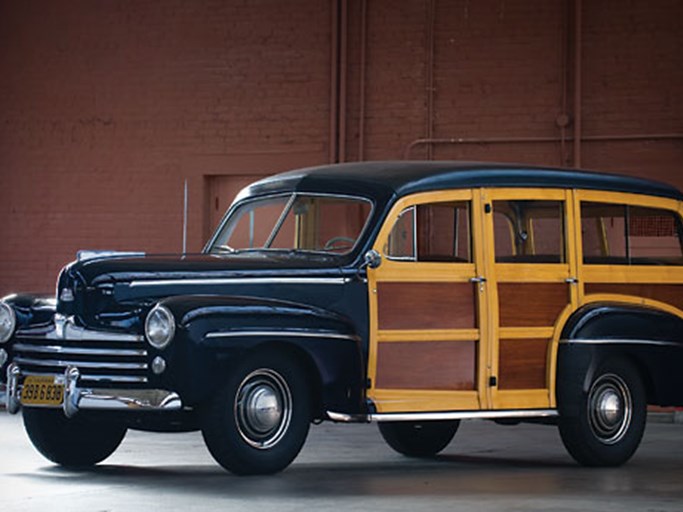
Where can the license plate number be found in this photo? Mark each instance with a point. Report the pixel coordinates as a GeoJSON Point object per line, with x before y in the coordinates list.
{"type": "Point", "coordinates": [42, 390]}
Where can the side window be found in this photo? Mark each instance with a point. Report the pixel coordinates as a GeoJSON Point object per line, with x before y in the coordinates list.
{"type": "Point", "coordinates": [401, 242]}
{"type": "Point", "coordinates": [630, 235]}
{"type": "Point", "coordinates": [437, 232]}
{"type": "Point", "coordinates": [529, 231]}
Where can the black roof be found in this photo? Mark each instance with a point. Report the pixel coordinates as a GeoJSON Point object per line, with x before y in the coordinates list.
{"type": "Point", "coordinates": [400, 178]}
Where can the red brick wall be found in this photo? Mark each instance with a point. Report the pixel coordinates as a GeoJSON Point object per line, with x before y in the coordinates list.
{"type": "Point", "coordinates": [106, 108]}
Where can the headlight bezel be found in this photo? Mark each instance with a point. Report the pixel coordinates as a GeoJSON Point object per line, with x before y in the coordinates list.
{"type": "Point", "coordinates": [156, 337]}
{"type": "Point", "coordinates": [6, 309]}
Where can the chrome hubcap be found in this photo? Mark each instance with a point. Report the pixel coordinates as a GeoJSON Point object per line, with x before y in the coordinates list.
{"type": "Point", "coordinates": [263, 408]}
{"type": "Point", "coordinates": [610, 408]}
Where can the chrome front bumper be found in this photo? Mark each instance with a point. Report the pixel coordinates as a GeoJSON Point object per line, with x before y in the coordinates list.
{"type": "Point", "coordinates": [77, 398]}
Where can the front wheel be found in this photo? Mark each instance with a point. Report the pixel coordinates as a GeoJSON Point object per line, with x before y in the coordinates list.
{"type": "Point", "coordinates": [611, 417]}
{"type": "Point", "coordinates": [71, 442]}
{"type": "Point", "coordinates": [419, 439]}
{"type": "Point", "coordinates": [259, 420]}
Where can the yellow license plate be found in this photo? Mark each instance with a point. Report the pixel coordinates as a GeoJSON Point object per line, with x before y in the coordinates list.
{"type": "Point", "coordinates": [42, 390]}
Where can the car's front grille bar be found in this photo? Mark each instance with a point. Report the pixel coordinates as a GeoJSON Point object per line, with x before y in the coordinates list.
{"type": "Point", "coordinates": [58, 349]}
{"type": "Point", "coordinates": [79, 364]}
{"type": "Point", "coordinates": [99, 360]}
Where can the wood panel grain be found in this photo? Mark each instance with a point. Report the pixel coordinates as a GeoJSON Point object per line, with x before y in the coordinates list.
{"type": "Point", "coordinates": [522, 364]}
{"type": "Point", "coordinates": [437, 365]}
{"type": "Point", "coordinates": [531, 304]}
{"type": "Point", "coordinates": [669, 293]}
{"type": "Point", "coordinates": [426, 306]}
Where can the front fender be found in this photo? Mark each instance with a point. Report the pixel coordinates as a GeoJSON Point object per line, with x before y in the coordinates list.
{"type": "Point", "coordinates": [216, 332]}
{"type": "Point", "coordinates": [32, 310]}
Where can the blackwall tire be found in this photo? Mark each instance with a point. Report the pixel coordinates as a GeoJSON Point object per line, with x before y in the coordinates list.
{"type": "Point", "coordinates": [259, 420]}
{"type": "Point", "coordinates": [418, 439]}
{"type": "Point", "coordinates": [611, 417]}
{"type": "Point", "coordinates": [71, 442]}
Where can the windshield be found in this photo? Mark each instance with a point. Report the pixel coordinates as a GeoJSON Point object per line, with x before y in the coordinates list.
{"type": "Point", "coordinates": [302, 222]}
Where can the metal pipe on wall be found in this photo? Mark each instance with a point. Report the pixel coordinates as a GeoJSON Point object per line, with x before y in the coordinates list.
{"type": "Point", "coordinates": [361, 94]}
{"type": "Point", "coordinates": [343, 65]}
{"type": "Point", "coordinates": [513, 140]}
{"type": "Point", "coordinates": [578, 47]}
{"type": "Point", "coordinates": [429, 71]}
{"type": "Point", "coordinates": [334, 91]}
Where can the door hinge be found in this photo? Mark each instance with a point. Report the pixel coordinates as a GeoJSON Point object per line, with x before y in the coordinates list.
{"type": "Point", "coordinates": [368, 383]}
{"type": "Point", "coordinates": [493, 381]}
{"type": "Point", "coordinates": [487, 208]}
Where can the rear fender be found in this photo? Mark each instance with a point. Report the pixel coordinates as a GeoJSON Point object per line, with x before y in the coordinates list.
{"type": "Point", "coordinates": [650, 338]}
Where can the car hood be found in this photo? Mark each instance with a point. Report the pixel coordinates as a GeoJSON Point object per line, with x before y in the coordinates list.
{"type": "Point", "coordinates": [121, 269]}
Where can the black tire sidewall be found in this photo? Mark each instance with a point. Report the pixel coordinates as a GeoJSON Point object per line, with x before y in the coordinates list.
{"type": "Point", "coordinates": [71, 442]}
{"type": "Point", "coordinates": [419, 439]}
{"type": "Point", "coordinates": [220, 430]}
{"type": "Point", "coordinates": [580, 439]}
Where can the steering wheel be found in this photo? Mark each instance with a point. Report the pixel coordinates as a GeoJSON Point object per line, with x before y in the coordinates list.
{"type": "Point", "coordinates": [330, 244]}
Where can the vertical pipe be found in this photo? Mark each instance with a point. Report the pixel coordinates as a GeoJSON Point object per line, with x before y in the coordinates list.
{"type": "Point", "coordinates": [563, 119]}
{"type": "Point", "coordinates": [577, 81]}
{"type": "Point", "coordinates": [334, 91]}
{"type": "Point", "coordinates": [363, 56]}
{"type": "Point", "coordinates": [343, 36]}
{"type": "Point", "coordinates": [429, 123]}
{"type": "Point", "coordinates": [185, 204]}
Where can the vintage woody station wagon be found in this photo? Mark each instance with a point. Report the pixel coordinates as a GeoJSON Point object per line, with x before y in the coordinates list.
{"type": "Point", "coordinates": [414, 294]}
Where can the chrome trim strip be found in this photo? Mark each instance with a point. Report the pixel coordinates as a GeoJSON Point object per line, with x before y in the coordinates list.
{"type": "Point", "coordinates": [281, 332]}
{"type": "Point", "coordinates": [124, 379]}
{"type": "Point", "coordinates": [81, 364]}
{"type": "Point", "coordinates": [607, 341]}
{"type": "Point", "coordinates": [340, 417]}
{"type": "Point", "coordinates": [129, 399]}
{"type": "Point", "coordinates": [464, 415]}
{"type": "Point", "coordinates": [241, 280]}
{"type": "Point", "coordinates": [64, 329]}
{"type": "Point", "coordinates": [57, 349]}
{"type": "Point", "coordinates": [128, 379]}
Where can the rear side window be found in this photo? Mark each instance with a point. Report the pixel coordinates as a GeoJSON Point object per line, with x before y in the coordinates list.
{"type": "Point", "coordinates": [617, 234]}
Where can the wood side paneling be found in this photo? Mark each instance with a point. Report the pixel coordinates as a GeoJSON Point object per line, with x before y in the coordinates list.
{"type": "Point", "coordinates": [531, 304]}
{"type": "Point", "coordinates": [522, 364]}
{"type": "Point", "coordinates": [438, 365]}
{"type": "Point", "coordinates": [669, 293]}
{"type": "Point", "coordinates": [426, 306]}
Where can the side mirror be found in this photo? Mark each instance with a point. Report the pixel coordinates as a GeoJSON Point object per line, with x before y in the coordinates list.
{"type": "Point", "coordinates": [372, 259]}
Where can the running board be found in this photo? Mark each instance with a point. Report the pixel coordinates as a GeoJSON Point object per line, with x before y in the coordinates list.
{"type": "Point", "coordinates": [440, 416]}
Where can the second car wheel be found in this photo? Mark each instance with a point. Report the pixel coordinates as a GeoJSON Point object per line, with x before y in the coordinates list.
{"type": "Point", "coordinates": [419, 439]}
{"type": "Point", "coordinates": [259, 420]}
{"type": "Point", "coordinates": [611, 417]}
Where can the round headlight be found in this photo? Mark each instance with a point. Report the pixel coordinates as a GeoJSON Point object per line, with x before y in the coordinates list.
{"type": "Point", "coordinates": [8, 321]}
{"type": "Point", "coordinates": [159, 327]}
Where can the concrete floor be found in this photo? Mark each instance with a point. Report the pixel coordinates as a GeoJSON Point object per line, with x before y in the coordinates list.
{"type": "Point", "coordinates": [344, 467]}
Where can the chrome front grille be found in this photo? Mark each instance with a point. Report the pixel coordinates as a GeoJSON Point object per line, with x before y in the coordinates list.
{"type": "Point", "coordinates": [99, 361]}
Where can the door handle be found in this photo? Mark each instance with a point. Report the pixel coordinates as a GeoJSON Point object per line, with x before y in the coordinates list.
{"type": "Point", "coordinates": [571, 280]}
{"type": "Point", "coordinates": [480, 280]}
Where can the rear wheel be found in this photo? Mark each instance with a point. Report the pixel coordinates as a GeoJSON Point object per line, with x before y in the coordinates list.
{"type": "Point", "coordinates": [259, 420]}
{"type": "Point", "coordinates": [419, 439]}
{"type": "Point", "coordinates": [71, 442]}
{"type": "Point", "coordinates": [611, 417]}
